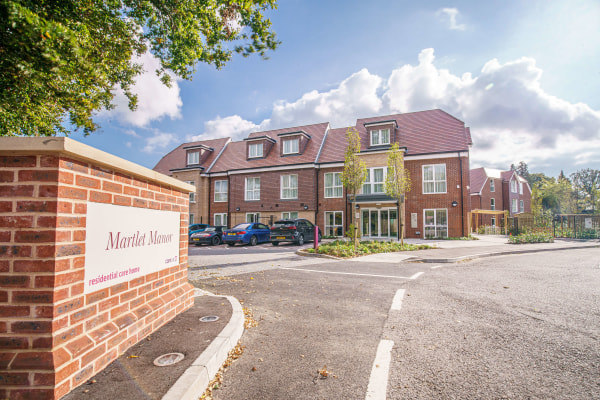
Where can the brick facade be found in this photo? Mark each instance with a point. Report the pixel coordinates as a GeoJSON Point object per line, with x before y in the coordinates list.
{"type": "Point", "coordinates": [54, 337]}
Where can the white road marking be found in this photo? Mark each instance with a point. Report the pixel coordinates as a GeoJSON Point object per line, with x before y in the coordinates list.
{"type": "Point", "coordinates": [353, 273]}
{"type": "Point", "coordinates": [415, 276]}
{"type": "Point", "coordinates": [437, 266]}
{"type": "Point", "coordinates": [377, 389]}
{"type": "Point", "coordinates": [397, 302]}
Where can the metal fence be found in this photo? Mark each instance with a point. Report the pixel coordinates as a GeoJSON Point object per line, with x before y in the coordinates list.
{"type": "Point", "coordinates": [575, 226]}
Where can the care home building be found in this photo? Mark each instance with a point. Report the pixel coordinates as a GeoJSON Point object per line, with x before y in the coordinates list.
{"type": "Point", "coordinates": [296, 173]}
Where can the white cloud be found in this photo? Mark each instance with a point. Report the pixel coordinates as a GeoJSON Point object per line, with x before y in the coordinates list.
{"type": "Point", "coordinates": [159, 141]}
{"type": "Point", "coordinates": [233, 126]}
{"type": "Point", "coordinates": [511, 117]}
{"type": "Point", "coordinates": [155, 100]}
{"type": "Point", "coordinates": [450, 15]}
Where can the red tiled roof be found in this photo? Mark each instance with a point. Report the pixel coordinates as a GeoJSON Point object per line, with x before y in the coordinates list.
{"type": "Point", "coordinates": [478, 179]}
{"type": "Point", "coordinates": [334, 147]}
{"type": "Point", "coordinates": [234, 156]}
{"type": "Point", "coordinates": [177, 158]}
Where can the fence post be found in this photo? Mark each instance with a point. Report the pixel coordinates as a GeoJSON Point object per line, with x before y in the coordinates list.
{"type": "Point", "coordinates": [574, 227]}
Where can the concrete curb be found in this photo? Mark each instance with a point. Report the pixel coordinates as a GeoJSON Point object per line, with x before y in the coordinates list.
{"type": "Point", "coordinates": [492, 254]}
{"type": "Point", "coordinates": [304, 253]}
{"type": "Point", "coordinates": [194, 381]}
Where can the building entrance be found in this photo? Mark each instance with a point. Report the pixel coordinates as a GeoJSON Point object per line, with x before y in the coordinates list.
{"type": "Point", "coordinates": [379, 223]}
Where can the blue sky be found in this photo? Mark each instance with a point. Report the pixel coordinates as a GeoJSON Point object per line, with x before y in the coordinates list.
{"type": "Point", "coordinates": [524, 75]}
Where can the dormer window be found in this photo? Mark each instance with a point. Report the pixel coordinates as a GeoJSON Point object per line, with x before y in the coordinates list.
{"type": "Point", "coordinates": [291, 146]}
{"type": "Point", "coordinates": [193, 157]}
{"type": "Point", "coordinates": [255, 150]}
{"type": "Point", "coordinates": [380, 137]}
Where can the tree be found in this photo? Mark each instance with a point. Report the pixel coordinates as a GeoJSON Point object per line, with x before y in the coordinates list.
{"type": "Point", "coordinates": [523, 170]}
{"type": "Point", "coordinates": [397, 183]}
{"type": "Point", "coordinates": [354, 174]}
{"type": "Point", "coordinates": [63, 59]}
{"type": "Point", "coordinates": [586, 183]}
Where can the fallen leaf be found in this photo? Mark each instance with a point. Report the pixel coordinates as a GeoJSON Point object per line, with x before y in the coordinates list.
{"type": "Point", "coordinates": [132, 356]}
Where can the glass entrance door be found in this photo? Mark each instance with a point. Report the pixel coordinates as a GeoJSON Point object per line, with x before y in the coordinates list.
{"type": "Point", "coordinates": [379, 223]}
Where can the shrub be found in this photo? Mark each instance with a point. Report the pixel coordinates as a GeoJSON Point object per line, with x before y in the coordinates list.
{"type": "Point", "coordinates": [345, 249]}
{"type": "Point", "coordinates": [531, 237]}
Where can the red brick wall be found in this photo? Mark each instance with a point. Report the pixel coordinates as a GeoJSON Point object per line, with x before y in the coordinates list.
{"type": "Point", "coordinates": [416, 201]}
{"type": "Point", "coordinates": [52, 336]}
{"type": "Point", "coordinates": [331, 204]}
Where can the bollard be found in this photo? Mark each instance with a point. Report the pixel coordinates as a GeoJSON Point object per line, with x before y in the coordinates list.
{"type": "Point", "coordinates": [316, 241]}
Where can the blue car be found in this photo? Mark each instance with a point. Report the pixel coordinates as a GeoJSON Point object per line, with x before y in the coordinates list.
{"type": "Point", "coordinates": [247, 233]}
{"type": "Point", "coordinates": [193, 228]}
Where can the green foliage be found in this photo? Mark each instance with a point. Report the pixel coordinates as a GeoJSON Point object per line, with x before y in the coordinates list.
{"type": "Point", "coordinates": [542, 236]}
{"type": "Point", "coordinates": [350, 232]}
{"type": "Point", "coordinates": [355, 171]}
{"type": "Point", "coordinates": [397, 181]}
{"type": "Point", "coordinates": [345, 249]}
{"type": "Point", "coordinates": [586, 183]}
{"type": "Point", "coordinates": [60, 61]}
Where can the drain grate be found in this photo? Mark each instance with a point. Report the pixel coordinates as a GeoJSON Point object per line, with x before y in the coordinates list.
{"type": "Point", "coordinates": [168, 359]}
{"type": "Point", "coordinates": [211, 318]}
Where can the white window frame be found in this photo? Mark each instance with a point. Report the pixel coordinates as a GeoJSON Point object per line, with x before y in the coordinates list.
{"type": "Point", "coordinates": [520, 187]}
{"type": "Point", "coordinates": [492, 186]}
{"type": "Point", "coordinates": [193, 157]}
{"type": "Point", "coordinates": [381, 135]}
{"type": "Point", "coordinates": [220, 194]}
{"type": "Point", "coordinates": [492, 204]}
{"type": "Point", "coordinates": [289, 191]}
{"type": "Point", "coordinates": [514, 205]}
{"type": "Point", "coordinates": [336, 189]}
{"type": "Point", "coordinates": [253, 191]}
{"type": "Point", "coordinates": [493, 221]}
{"type": "Point", "coordinates": [223, 217]}
{"type": "Point", "coordinates": [255, 150]}
{"type": "Point", "coordinates": [192, 194]}
{"type": "Point", "coordinates": [434, 181]}
{"type": "Point", "coordinates": [513, 186]}
{"type": "Point", "coordinates": [291, 146]}
{"type": "Point", "coordinates": [370, 185]}
{"type": "Point", "coordinates": [435, 226]}
{"type": "Point", "coordinates": [255, 217]}
{"type": "Point", "coordinates": [191, 219]}
{"type": "Point", "coordinates": [521, 206]}
{"type": "Point", "coordinates": [334, 226]}
{"type": "Point", "coordinates": [288, 215]}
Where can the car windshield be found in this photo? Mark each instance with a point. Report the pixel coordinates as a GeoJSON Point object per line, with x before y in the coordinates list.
{"type": "Point", "coordinates": [242, 226]}
{"type": "Point", "coordinates": [282, 223]}
{"type": "Point", "coordinates": [210, 229]}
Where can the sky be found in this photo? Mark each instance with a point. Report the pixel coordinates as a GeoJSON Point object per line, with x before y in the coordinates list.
{"type": "Point", "coordinates": [523, 75]}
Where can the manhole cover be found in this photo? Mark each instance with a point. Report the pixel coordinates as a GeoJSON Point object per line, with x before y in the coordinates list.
{"type": "Point", "coordinates": [168, 359]}
{"type": "Point", "coordinates": [211, 318]}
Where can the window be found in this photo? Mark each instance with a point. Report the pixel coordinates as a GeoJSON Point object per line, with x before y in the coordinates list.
{"type": "Point", "coordinates": [193, 157]}
{"type": "Point", "coordinates": [252, 189]}
{"type": "Point", "coordinates": [220, 219]}
{"type": "Point", "coordinates": [191, 219]}
{"type": "Point", "coordinates": [291, 146]}
{"type": "Point", "coordinates": [192, 194]}
{"type": "Point", "coordinates": [289, 215]}
{"type": "Point", "coordinates": [289, 186]}
{"type": "Point", "coordinates": [492, 186]}
{"type": "Point", "coordinates": [434, 178]}
{"type": "Point", "coordinates": [514, 205]}
{"type": "Point", "coordinates": [520, 187]}
{"type": "Point", "coordinates": [513, 186]}
{"type": "Point", "coordinates": [375, 181]}
{"type": "Point", "coordinates": [334, 223]}
{"type": "Point", "coordinates": [492, 204]}
{"type": "Point", "coordinates": [333, 185]}
{"type": "Point", "coordinates": [255, 150]}
{"type": "Point", "coordinates": [521, 206]}
{"type": "Point", "coordinates": [436, 223]}
{"type": "Point", "coordinates": [252, 217]}
{"type": "Point", "coordinates": [493, 221]}
{"type": "Point", "coordinates": [220, 191]}
{"type": "Point", "coordinates": [380, 137]}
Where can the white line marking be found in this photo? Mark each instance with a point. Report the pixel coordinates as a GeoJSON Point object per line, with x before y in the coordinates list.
{"type": "Point", "coordinates": [377, 389]}
{"type": "Point", "coordinates": [355, 274]}
{"type": "Point", "coordinates": [415, 276]}
{"type": "Point", "coordinates": [397, 302]}
{"type": "Point", "coordinates": [437, 266]}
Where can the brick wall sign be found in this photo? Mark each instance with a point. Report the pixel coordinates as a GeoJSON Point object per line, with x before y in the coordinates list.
{"type": "Point", "coordinates": [124, 243]}
{"type": "Point", "coordinates": [93, 259]}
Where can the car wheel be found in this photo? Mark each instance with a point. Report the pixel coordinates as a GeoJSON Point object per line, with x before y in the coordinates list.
{"type": "Point", "coordinates": [253, 240]}
{"type": "Point", "coordinates": [300, 240]}
{"type": "Point", "coordinates": [230, 244]}
{"type": "Point", "coordinates": [215, 241]}
{"type": "Point", "coordinates": [275, 243]}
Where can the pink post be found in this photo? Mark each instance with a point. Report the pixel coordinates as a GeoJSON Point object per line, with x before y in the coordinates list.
{"type": "Point", "coordinates": [316, 245]}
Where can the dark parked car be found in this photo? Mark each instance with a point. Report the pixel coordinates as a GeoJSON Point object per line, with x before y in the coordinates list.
{"type": "Point", "coordinates": [193, 228]}
{"type": "Point", "coordinates": [297, 230]}
{"type": "Point", "coordinates": [248, 232]}
{"type": "Point", "coordinates": [211, 235]}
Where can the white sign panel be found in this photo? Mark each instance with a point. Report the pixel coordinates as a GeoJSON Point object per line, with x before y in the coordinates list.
{"type": "Point", "coordinates": [588, 223]}
{"type": "Point", "coordinates": [124, 243]}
